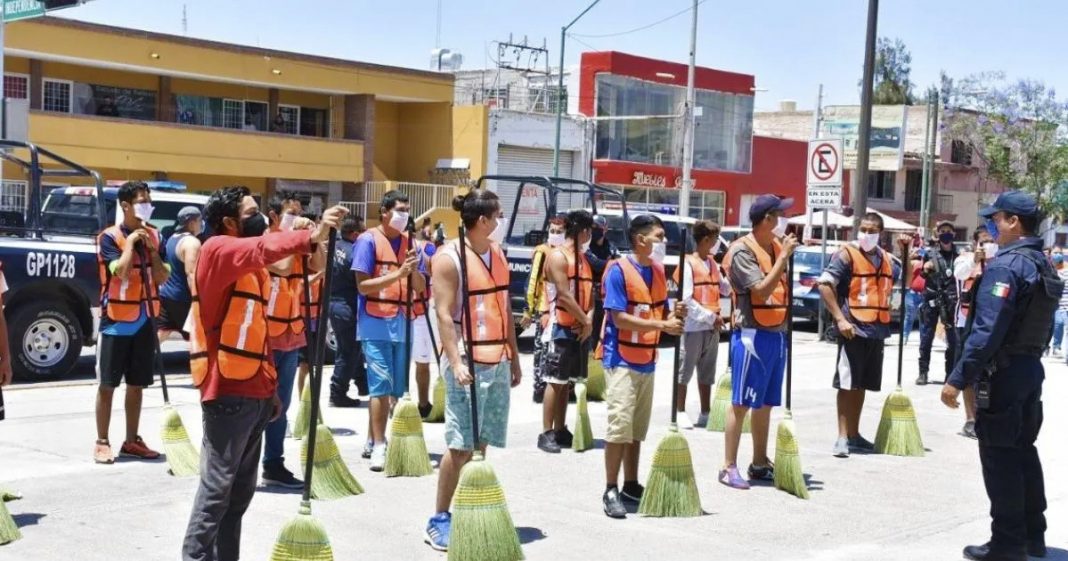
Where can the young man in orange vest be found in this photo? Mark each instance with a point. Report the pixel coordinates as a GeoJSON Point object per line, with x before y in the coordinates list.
{"type": "Point", "coordinates": [537, 306]}
{"type": "Point", "coordinates": [231, 360]}
{"type": "Point", "coordinates": [701, 291]}
{"type": "Point", "coordinates": [384, 266]}
{"type": "Point", "coordinates": [569, 327]}
{"type": "Point", "coordinates": [493, 351]}
{"type": "Point", "coordinates": [756, 266]}
{"type": "Point", "coordinates": [968, 270]}
{"type": "Point", "coordinates": [856, 288]}
{"type": "Point", "coordinates": [127, 349]}
{"type": "Point", "coordinates": [635, 303]}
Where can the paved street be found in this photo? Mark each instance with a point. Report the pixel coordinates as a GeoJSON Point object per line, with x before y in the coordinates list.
{"type": "Point", "coordinates": [865, 507]}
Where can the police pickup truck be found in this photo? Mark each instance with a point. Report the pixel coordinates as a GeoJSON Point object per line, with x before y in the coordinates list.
{"type": "Point", "coordinates": [49, 253]}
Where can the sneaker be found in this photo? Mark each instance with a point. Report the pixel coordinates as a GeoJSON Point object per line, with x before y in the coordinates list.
{"type": "Point", "coordinates": [731, 478]}
{"type": "Point", "coordinates": [762, 473]}
{"type": "Point", "coordinates": [368, 447]}
{"type": "Point", "coordinates": [275, 473]}
{"type": "Point", "coordinates": [343, 401]}
{"type": "Point", "coordinates": [564, 437]}
{"type": "Point", "coordinates": [547, 442]}
{"type": "Point", "coordinates": [438, 529]}
{"type": "Point", "coordinates": [702, 421]}
{"type": "Point", "coordinates": [138, 449]}
{"type": "Point", "coordinates": [860, 444]}
{"type": "Point", "coordinates": [969, 430]}
{"type": "Point", "coordinates": [632, 491]}
{"type": "Point", "coordinates": [425, 409]}
{"type": "Point", "coordinates": [841, 448]}
{"type": "Point", "coordinates": [378, 458]}
{"type": "Point", "coordinates": [613, 506]}
{"type": "Point", "coordinates": [102, 452]}
{"type": "Point", "coordinates": [922, 380]}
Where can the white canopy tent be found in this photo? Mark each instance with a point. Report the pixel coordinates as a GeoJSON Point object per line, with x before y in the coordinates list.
{"type": "Point", "coordinates": [836, 220]}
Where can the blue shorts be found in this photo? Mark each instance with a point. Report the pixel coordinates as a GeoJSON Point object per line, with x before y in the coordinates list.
{"type": "Point", "coordinates": [494, 387]}
{"type": "Point", "coordinates": [757, 366]}
{"type": "Point", "coordinates": [385, 368]}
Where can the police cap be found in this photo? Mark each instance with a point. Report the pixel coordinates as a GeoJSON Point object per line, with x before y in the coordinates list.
{"type": "Point", "coordinates": [1014, 202]}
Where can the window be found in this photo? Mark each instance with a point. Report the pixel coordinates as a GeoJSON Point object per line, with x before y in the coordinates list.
{"type": "Point", "coordinates": [233, 113]}
{"type": "Point", "coordinates": [961, 153]}
{"type": "Point", "coordinates": [13, 196]}
{"type": "Point", "coordinates": [314, 122]}
{"type": "Point", "coordinates": [913, 189]}
{"type": "Point", "coordinates": [881, 185]}
{"type": "Point", "coordinates": [497, 97]}
{"type": "Point", "coordinates": [57, 95]}
{"type": "Point", "coordinates": [255, 116]}
{"type": "Point", "coordinates": [546, 99]}
{"type": "Point", "coordinates": [16, 86]}
{"type": "Point", "coordinates": [290, 120]}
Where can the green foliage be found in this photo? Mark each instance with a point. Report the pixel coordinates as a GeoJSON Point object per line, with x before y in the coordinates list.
{"type": "Point", "coordinates": [893, 64]}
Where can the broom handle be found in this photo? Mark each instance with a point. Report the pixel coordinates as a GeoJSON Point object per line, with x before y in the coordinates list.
{"type": "Point", "coordinates": [901, 337]}
{"type": "Point", "coordinates": [578, 300]}
{"type": "Point", "coordinates": [308, 330]}
{"type": "Point", "coordinates": [465, 313]}
{"type": "Point", "coordinates": [408, 313]}
{"type": "Point", "coordinates": [678, 340]}
{"type": "Point", "coordinates": [790, 333]}
{"type": "Point", "coordinates": [430, 330]}
{"type": "Point", "coordinates": [146, 290]}
{"type": "Point", "coordinates": [317, 364]}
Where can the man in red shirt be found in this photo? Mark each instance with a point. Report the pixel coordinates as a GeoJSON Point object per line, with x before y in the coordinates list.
{"type": "Point", "coordinates": [235, 410]}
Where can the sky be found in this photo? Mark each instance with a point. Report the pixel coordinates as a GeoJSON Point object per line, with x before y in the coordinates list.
{"type": "Point", "coordinates": [791, 46]}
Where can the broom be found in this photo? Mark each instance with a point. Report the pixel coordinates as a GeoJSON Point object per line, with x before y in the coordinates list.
{"type": "Point", "coordinates": [334, 480]}
{"type": "Point", "coordinates": [304, 538]}
{"type": "Point", "coordinates": [583, 439]}
{"type": "Point", "coordinates": [437, 392]}
{"type": "Point", "coordinates": [721, 403]}
{"type": "Point", "coordinates": [182, 457]}
{"type": "Point", "coordinates": [482, 528]}
{"type": "Point", "coordinates": [595, 383]}
{"type": "Point", "coordinates": [303, 418]}
{"type": "Point", "coordinates": [899, 434]}
{"type": "Point", "coordinates": [788, 473]}
{"type": "Point", "coordinates": [9, 530]}
{"type": "Point", "coordinates": [671, 489]}
{"type": "Point", "coordinates": [407, 455]}
{"type": "Point", "coordinates": [8, 495]}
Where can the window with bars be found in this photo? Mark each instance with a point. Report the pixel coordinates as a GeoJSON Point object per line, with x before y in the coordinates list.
{"type": "Point", "coordinates": [290, 123]}
{"type": "Point", "coordinates": [881, 185]}
{"type": "Point", "coordinates": [13, 196]}
{"type": "Point", "coordinates": [57, 96]}
{"type": "Point", "coordinates": [16, 86]}
{"type": "Point", "coordinates": [233, 113]}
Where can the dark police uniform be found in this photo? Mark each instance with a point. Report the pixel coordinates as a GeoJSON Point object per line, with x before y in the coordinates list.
{"type": "Point", "coordinates": [1013, 315]}
{"type": "Point", "coordinates": [939, 304]}
{"type": "Point", "coordinates": [348, 360]}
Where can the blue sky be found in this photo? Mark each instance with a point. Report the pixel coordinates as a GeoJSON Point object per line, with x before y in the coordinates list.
{"type": "Point", "coordinates": [790, 46]}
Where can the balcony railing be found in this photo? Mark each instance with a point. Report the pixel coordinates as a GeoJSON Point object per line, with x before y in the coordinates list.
{"type": "Point", "coordinates": [422, 197]}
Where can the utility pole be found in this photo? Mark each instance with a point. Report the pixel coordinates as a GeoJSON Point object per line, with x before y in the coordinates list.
{"type": "Point", "coordinates": [561, 99]}
{"type": "Point", "coordinates": [926, 173]}
{"type": "Point", "coordinates": [817, 122]}
{"type": "Point", "coordinates": [689, 124]}
{"type": "Point", "coordinates": [932, 149]}
{"type": "Point", "coordinates": [860, 182]}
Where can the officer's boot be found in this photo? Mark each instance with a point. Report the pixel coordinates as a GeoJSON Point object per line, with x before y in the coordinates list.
{"type": "Point", "coordinates": [922, 380]}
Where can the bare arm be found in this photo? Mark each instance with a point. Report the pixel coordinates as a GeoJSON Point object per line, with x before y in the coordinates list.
{"type": "Point", "coordinates": [282, 267]}
{"type": "Point", "coordinates": [630, 322]}
{"type": "Point", "coordinates": [763, 289]}
{"type": "Point", "coordinates": [446, 279]}
{"type": "Point", "coordinates": [189, 252]}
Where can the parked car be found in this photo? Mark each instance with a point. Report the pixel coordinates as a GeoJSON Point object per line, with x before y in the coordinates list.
{"type": "Point", "coordinates": [809, 263]}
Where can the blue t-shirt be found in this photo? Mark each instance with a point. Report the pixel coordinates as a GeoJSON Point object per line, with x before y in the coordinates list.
{"type": "Point", "coordinates": [368, 327]}
{"type": "Point", "coordinates": [110, 252]}
{"type": "Point", "coordinates": [615, 299]}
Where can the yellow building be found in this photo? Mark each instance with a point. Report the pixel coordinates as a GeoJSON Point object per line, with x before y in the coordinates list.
{"type": "Point", "coordinates": [133, 104]}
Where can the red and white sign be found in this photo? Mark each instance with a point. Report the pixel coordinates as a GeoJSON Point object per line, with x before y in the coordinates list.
{"type": "Point", "coordinates": [825, 162]}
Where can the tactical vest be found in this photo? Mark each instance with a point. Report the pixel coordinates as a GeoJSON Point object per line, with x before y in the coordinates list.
{"type": "Point", "coordinates": [1033, 324]}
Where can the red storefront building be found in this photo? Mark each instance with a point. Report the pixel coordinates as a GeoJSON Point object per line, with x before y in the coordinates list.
{"type": "Point", "coordinates": [643, 156]}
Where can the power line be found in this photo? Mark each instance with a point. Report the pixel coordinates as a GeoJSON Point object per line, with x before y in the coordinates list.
{"type": "Point", "coordinates": [642, 28]}
{"type": "Point", "coordinates": [583, 43]}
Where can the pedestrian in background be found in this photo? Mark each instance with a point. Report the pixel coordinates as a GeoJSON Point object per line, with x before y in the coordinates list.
{"type": "Point", "coordinates": [968, 270]}
{"type": "Point", "coordinates": [939, 299]}
{"type": "Point", "coordinates": [600, 253]}
{"type": "Point", "coordinates": [914, 294]}
{"type": "Point", "coordinates": [537, 305]}
{"type": "Point", "coordinates": [1060, 319]}
{"type": "Point", "coordinates": [183, 248]}
{"type": "Point", "coordinates": [5, 349]}
{"type": "Point", "coordinates": [1011, 319]}
{"type": "Point", "coordinates": [423, 352]}
{"type": "Point", "coordinates": [348, 360]}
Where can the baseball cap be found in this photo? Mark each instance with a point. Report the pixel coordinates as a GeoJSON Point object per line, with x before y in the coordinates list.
{"type": "Point", "coordinates": [767, 203]}
{"type": "Point", "coordinates": [1013, 202]}
{"type": "Point", "coordinates": [188, 213]}
{"type": "Point", "coordinates": [599, 221]}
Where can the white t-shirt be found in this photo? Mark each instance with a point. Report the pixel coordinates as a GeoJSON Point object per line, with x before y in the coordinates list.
{"type": "Point", "coordinates": [698, 317]}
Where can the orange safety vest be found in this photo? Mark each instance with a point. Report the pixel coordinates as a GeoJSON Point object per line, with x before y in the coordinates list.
{"type": "Point", "coordinates": [392, 299]}
{"type": "Point", "coordinates": [242, 335]}
{"type": "Point", "coordinates": [772, 311]}
{"type": "Point", "coordinates": [706, 279]}
{"type": "Point", "coordinates": [643, 301]}
{"type": "Point", "coordinates": [541, 251]}
{"type": "Point", "coordinates": [122, 298]}
{"type": "Point", "coordinates": [487, 301]}
{"type": "Point", "coordinates": [316, 290]}
{"type": "Point", "coordinates": [283, 301]}
{"type": "Point", "coordinates": [584, 277]}
{"type": "Point", "coordinates": [870, 288]}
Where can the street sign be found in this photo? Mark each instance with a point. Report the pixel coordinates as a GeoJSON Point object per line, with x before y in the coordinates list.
{"type": "Point", "coordinates": [825, 162]}
{"type": "Point", "coordinates": [824, 197]}
{"type": "Point", "coordinates": [15, 10]}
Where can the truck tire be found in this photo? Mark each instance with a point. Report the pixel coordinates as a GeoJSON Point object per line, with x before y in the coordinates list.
{"type": "Point", "coordinates": [46, 340]}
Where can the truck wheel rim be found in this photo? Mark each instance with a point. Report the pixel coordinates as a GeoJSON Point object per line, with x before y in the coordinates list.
{"type": "Point", "coordinates": [45, 342]}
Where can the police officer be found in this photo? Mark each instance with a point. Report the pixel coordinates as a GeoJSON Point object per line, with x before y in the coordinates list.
{"type": "Point", "coordinates": [348, 361]}
{"type": "Point", "coordinates": [1011, 319]}
{"type": "Point", "coordinates": [939, 299]}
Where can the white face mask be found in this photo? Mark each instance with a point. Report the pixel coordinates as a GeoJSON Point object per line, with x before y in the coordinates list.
{"type": "Point", "coordinates": [780, 228]}
{"type": "Point", "coordinates": [868, 242]}
{"type": "Point", "coordinates": [497, 234]}
{"type": "Point", "coordinates": [715, 248]}
{"type": "Point", "coordinates": [399, 221]}
{"type": "Point", "coordinates": [585, 247]}
{"type": "Point", "coordinates": [287, 221]}
{"type": "Point", "coordinates": [556, 240]}
{"type": "Point", "coordinates": [990, 249]}
{"type": "Point", "coordinates": [659, 252]}
{"type": "Point", "coordinates": [143, 211]}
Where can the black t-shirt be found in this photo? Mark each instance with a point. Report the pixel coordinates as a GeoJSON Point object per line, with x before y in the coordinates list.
{"type": "Point", "coordinates": [343, 283]}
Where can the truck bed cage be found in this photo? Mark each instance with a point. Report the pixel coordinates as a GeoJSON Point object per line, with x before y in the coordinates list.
{"type": "Point", "coordinates": [32, 166]}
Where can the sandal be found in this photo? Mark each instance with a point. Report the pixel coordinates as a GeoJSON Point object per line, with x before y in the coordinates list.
{"type": "Point", "coordinates": [102, 452]}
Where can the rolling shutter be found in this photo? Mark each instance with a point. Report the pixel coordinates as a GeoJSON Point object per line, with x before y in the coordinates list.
{"type": "Point", "coordinates": [515, 160]}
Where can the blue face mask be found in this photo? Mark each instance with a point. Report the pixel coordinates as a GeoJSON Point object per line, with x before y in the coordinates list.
{"type": "Point", "coordinates": [1058, 259]}
{"type": "Point", "coordinates": [992, 228]}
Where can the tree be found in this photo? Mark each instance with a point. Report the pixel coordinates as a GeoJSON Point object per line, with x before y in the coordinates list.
{"type": "Point", "coordinates": [893, 64]}
{"type": "Point", "coordinates": [1017, 129]}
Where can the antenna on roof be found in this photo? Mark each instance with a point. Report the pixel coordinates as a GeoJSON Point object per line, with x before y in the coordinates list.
{"type": "Point", "coordinates": [185, 21]}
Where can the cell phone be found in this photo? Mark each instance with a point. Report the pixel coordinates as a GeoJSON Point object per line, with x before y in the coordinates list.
{"type": "Point", "coordinates": [982, 393]}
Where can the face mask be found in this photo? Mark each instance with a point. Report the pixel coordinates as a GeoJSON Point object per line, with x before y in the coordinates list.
{"type": "Point", "coordinates": [585, 247]}
{"type": "Point", "coordinates": [399, 221]}
{"type": "Point", "coordinates": [946, 237]}
{"type": "Point", "coordinates": [497, 234]}
{"type": "Point", "coordinates": [992, 228]}
{"type": "Point", "coordinates": [287, 221]}
{"type": "Point", "coordinates": [990, 249]}
{"type": "Point", "coordinates": [659, 252]}
{"type": "Point", "coordinates": [597, 234]}
{"type": "Point", "coordinates": [253, 226]}
{"type": "Point", "coordinates": [143, 211]}
{"type": "Point", "coordinates": [780, 228]}
{"type": "Point", "coordinates": [556, 240]}
{"type": "Point", "coordinates": [868, 242]}
{"type": "Point", "coordinates": [1058, 259]}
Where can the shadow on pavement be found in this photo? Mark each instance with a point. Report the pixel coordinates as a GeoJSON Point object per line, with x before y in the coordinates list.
{"type": "Point", "coordinates": [25, 519]}
{"type": "Point", "coordinates": [529, 535]}
{"type": "Point", "coordinates": [1052, 553]}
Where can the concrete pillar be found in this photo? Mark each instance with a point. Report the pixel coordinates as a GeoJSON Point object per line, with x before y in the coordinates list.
{"type": "Point", "coordinates": [272, 107]}
{"type": "Point", "coordinates": [359, 124]}
{"type": "Point", "coordinates": [166, 110]}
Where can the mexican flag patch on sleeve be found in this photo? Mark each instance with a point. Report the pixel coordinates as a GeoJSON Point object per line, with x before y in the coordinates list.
{"type": "Point", "coordinates": [1001, 290]}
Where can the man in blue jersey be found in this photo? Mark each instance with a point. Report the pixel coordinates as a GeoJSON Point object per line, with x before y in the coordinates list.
{"type": "Point", "coordinates": [182, 250]}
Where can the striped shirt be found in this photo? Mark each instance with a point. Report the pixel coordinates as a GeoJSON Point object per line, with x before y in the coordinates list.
{"type": "Point", "coordinates": [1063, 272]}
